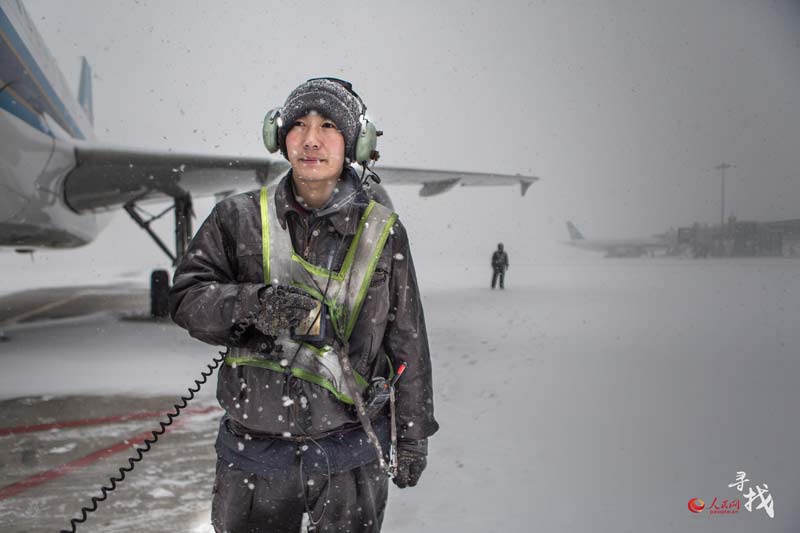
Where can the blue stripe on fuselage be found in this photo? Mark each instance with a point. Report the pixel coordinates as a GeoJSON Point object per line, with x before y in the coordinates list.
{"type": "Point", "coordinates": [22, 112]}
{"type": "Point", "coordinates": [18, 66]}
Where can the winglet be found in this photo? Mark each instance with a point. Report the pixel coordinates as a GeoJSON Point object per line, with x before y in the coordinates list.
{"type": "Point", "coordinates": [524, 186]}
{"type": "Point", "coordinates": [85, 90]}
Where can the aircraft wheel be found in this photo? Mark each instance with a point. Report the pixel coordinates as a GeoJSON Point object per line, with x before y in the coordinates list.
{"type": "Point", "coordinates": [159, 291]}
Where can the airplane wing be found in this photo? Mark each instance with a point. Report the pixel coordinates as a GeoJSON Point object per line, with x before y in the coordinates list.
{"type": "Point", "coordinates": [107, 178]}
{"type": "Point", "coordinates": [440, 181]}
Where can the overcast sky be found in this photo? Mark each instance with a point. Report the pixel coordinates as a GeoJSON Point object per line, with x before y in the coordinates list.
{"type": "Point", "coordinates": [622, 108]}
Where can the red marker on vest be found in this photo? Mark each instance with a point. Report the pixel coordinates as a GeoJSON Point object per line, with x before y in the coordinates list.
{"type": "Point", "coordinates": [399, 373]}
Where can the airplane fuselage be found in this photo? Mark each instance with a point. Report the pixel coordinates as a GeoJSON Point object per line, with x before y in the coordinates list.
{"type": "Point", "coordinates": [39, 124]}
{"type": "Point", "coordinates": [626, 247]}
{"type": "Point", "coordinates": [33, 211]}
{"type": "Point", "coordinates": [615, 247]}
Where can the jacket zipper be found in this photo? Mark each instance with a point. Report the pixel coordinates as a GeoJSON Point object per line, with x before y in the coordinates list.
{"type": "Point", "coordinates": [310, 239]}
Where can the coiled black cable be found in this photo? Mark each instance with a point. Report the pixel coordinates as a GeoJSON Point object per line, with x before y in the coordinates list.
{"type": "Point", "coordinates": [140, 451]}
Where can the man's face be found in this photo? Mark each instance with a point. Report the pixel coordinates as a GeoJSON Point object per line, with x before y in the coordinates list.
{"type": "Point", "coordinates": [315, 148]}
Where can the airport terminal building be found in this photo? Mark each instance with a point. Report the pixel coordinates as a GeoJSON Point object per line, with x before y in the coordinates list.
{"type": "Point", "coordinates": [741, 239]}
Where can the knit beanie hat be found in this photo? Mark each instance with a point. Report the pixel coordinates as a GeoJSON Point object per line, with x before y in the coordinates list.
{"type": "Point", "coordinates": [331, 100]}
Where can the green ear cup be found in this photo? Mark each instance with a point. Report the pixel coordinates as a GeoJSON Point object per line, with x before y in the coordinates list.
{"type": "Point", "coordinates": [270, 130]}
{"type": "Point", "coordinates": [367, 142]}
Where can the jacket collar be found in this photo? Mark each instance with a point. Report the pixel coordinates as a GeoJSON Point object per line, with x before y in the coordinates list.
{"type": "Point", "coordinates": [343, 209]}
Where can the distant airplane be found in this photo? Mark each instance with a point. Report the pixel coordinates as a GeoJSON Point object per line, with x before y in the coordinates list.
{"type": "Point", "coordinates": [617, 247]}
{"type": "Point", "coordinates": [58, 184]}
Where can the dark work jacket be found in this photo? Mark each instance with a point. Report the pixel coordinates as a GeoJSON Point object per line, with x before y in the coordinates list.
{"type": "Point", "coordinates": [215, 297]}
{"type": "Point", "coordinates": [499, 261]}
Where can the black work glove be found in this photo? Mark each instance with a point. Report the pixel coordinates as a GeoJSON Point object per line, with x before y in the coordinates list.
{"type": "Point", "coordinates": [412, 458]}
{"type": "Point", "coordinates": [282, 307]}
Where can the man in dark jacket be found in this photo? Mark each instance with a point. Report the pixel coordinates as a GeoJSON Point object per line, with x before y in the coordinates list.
{"type": "Point", "coordinates": [499, 265]}
{"type": "Point", "coordinates": [311, 286]}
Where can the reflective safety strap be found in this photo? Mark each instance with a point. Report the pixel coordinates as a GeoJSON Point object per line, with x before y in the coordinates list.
{"type": "Point", "coordinates": [276, 244]}
{"type": "Point", "coordinates": [351, 252]}
{"type": "Point", "coordinates": [319, 366]}
{"type": "Point", "coordinates": [296, 372]}
{"type": "Point", "coordinates": [265, 233]}
{"type": "Point", "coordinates": [347, 288]}
{"type": "Point", "coordinates": [378, 226]}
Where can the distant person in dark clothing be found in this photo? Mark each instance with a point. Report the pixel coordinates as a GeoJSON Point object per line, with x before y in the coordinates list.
{"type": "Point", "coordinates": [499, 265]}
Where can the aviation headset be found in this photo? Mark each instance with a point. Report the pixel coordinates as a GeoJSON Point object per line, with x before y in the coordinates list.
{"type": "Point", "coordinates": [366, 133]}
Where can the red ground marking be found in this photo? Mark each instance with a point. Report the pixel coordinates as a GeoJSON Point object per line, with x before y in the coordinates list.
{"type": "Point", "coordinates": [59, 471]}
{"type": "Point", "coordinates": [44, 477]}
{"type": "Point", "coordinates": [99, 421]}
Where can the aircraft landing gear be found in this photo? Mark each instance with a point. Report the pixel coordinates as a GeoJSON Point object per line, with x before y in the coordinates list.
{"type": "Point", "coordinates": [159, 279]}
{"type": "Point", "coordinates": [159, 293]}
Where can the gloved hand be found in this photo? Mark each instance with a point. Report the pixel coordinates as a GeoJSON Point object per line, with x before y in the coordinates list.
{"type": "Point", "coordinates": [412, 458]}
{"type": "Point", "coordinates": [282, 307]}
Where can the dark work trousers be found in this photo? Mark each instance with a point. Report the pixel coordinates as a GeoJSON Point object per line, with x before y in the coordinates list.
{"type": "Point", "coordinates": [498, 274]}
{"type": "Point", "coordinates": [246, 503]}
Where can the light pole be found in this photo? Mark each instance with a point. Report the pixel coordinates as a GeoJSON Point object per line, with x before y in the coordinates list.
{"type": "Point", "coordinates": [722, 167]}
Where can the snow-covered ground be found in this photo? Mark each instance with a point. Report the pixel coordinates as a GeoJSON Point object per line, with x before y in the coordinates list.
{"type": "Point", "coordinates": [590, 395]}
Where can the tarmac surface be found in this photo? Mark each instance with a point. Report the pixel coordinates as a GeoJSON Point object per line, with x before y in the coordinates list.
{"type": "Point", "coordinates": [57, 451]}
{"type": "Point", "coordinates": [69, 302]}
{"type": "Point", "coordinates": [631, 388]}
